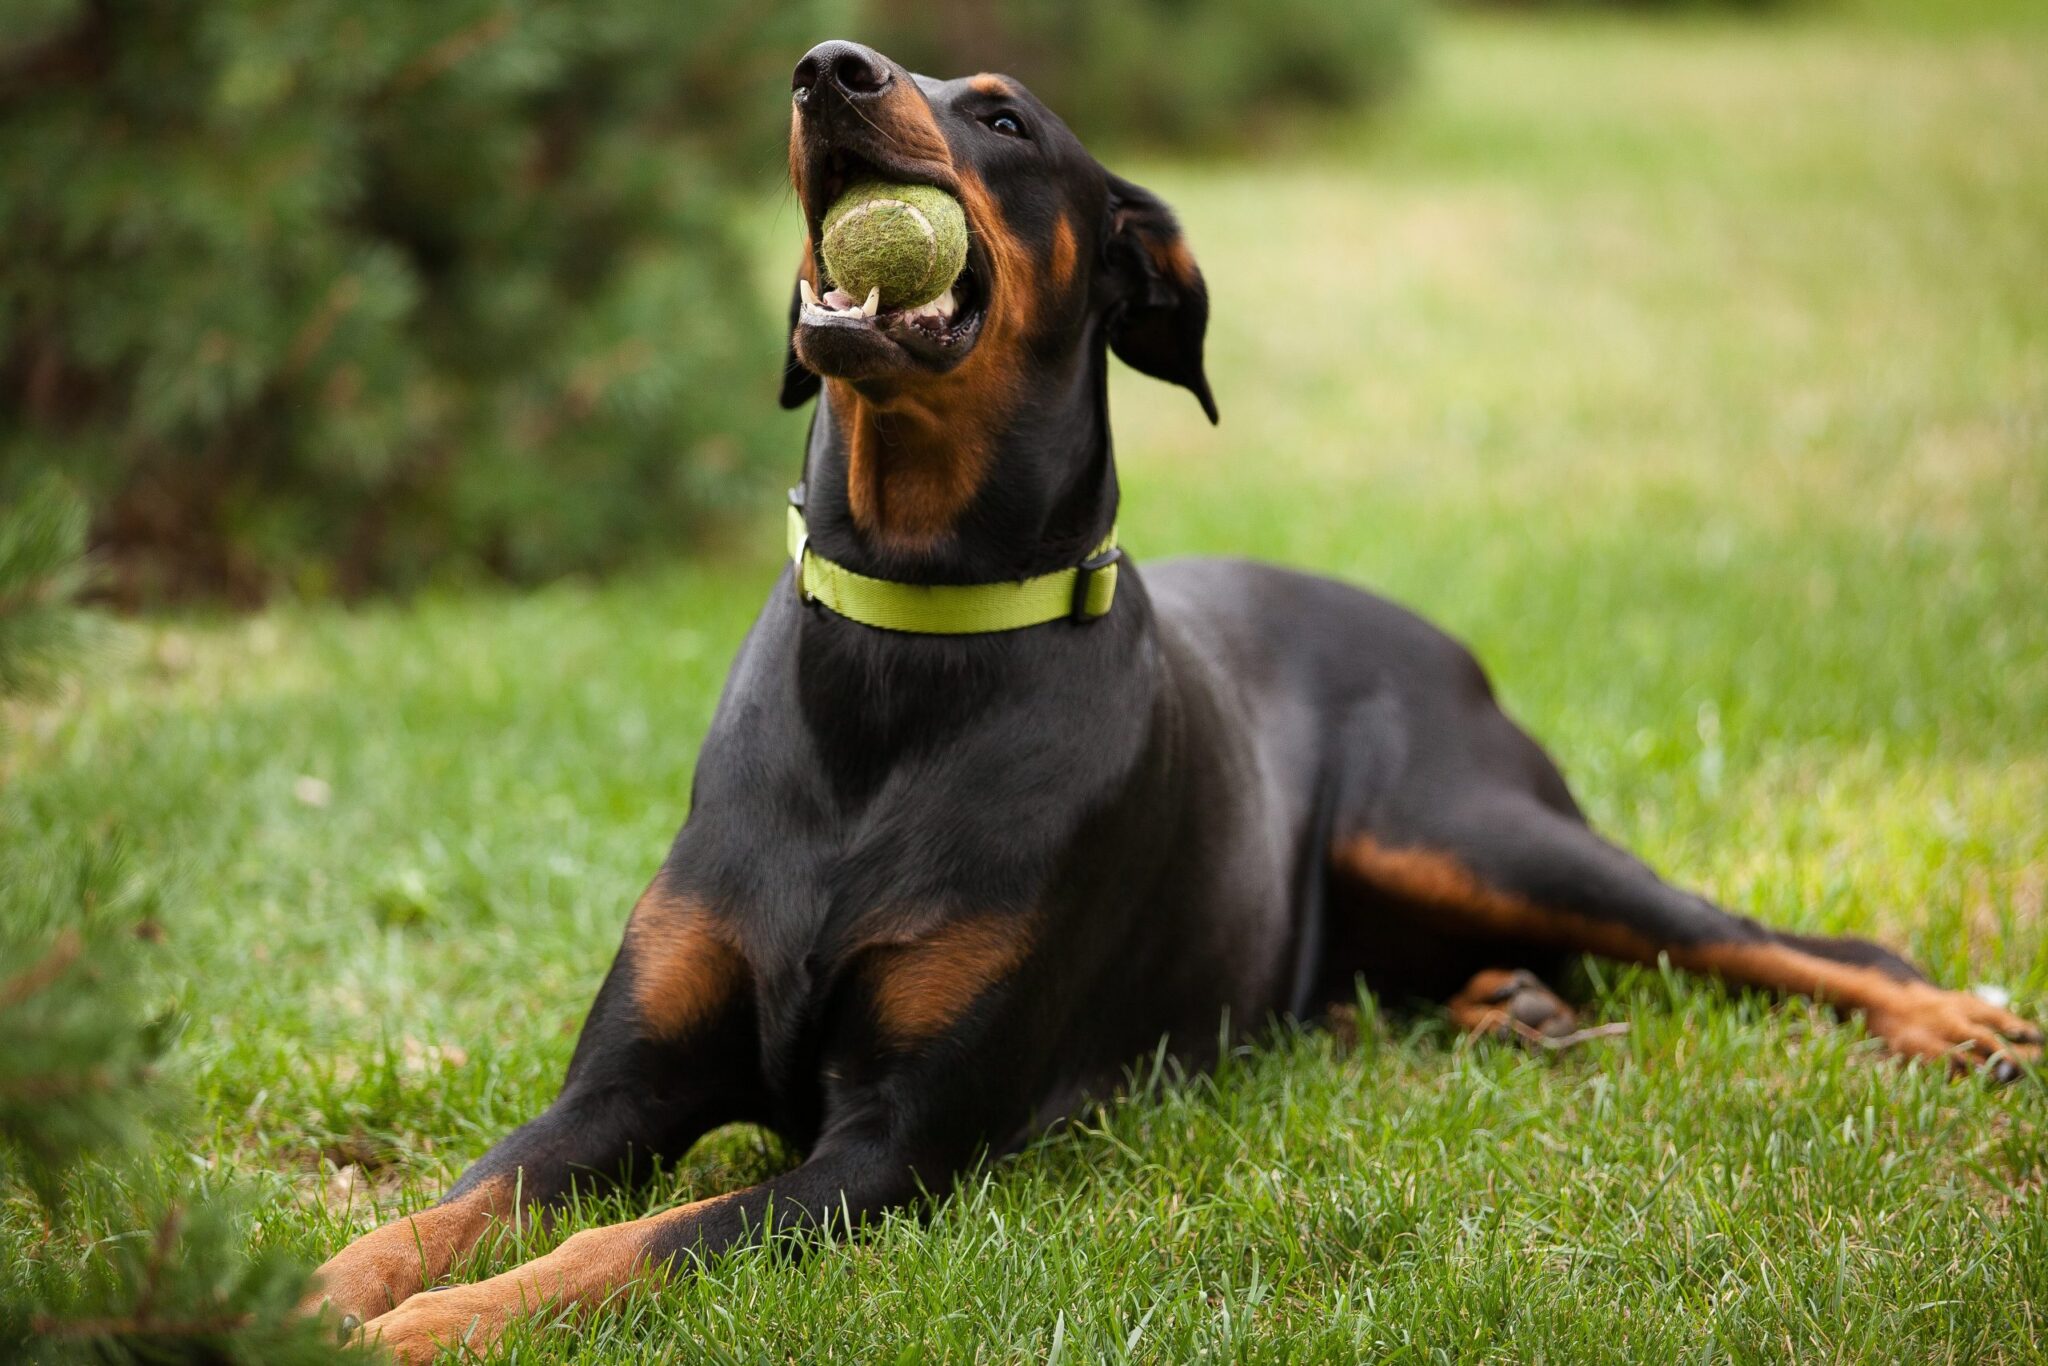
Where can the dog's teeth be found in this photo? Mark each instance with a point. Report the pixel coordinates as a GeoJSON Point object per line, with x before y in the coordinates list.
{"type": "Point", "coordinates": [874, 303]}
{"type": "Point", "coordinates": [809, 292]}
{"type": "Point", "coordinates": [944, 305]}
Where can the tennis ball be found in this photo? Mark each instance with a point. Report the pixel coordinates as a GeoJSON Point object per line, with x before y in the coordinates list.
{"type": "Point", "coordinates": [910, 240]}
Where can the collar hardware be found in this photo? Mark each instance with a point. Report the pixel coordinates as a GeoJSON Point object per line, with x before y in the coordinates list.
{"type": "Point", "coordinates": [1081, 594]}
{"type": "Point", "coordinates": [797, 556]}
{"type": "Point", "coordinates": [1095, 583]}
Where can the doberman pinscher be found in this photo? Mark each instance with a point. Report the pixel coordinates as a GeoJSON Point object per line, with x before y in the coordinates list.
{"type": "Point", "coordinates": [946, 876]}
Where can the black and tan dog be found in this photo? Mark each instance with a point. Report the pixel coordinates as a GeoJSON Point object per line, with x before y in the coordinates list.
{"type": "Point", "coordinates": [940, 883]}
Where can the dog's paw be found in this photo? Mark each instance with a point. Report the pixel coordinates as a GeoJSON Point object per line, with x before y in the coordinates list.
{"type": "Point", "coordinates": [459, 1316]}
{"type": "Point", "coordinates": [1967, 1031]}
{"type": "Point", "coordinates": [369, 1277]}
{"type": "Point", "coordinates": [1502, 1003]}
{"type": "Point", "coordinates": [387, 1266]}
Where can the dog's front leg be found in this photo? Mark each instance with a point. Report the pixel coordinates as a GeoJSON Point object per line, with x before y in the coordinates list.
{"type": "Point", "coordinates": [845, 1179]}
{"type": "Point", "coordinates": [667, 1053]}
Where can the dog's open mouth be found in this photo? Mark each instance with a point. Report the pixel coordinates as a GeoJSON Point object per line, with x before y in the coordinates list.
{"type": "Point", "coordinates": [840, 335]}
{"type": "Point", "coordinates": [943, 322]}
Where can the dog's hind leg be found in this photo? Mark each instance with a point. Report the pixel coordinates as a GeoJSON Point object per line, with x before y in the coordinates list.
{"type": "Point", "coordinates": [667, 1053]}
{"type": "Point", "coordinates": [1504, 866]}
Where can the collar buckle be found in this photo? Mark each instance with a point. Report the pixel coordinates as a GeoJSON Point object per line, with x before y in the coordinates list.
{"type": "Point", "coordinates": [1085, 575]}
{"type": "Point", "coordinates": [796, 577]}
{"type": "Point", "coordinates": [799, 543]}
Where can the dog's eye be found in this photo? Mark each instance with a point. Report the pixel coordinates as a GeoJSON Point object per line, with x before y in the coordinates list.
{"type": "Point", "coordinates": [1009, 125]}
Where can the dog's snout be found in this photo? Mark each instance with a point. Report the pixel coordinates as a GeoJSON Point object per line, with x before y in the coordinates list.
{"type": "Point", "coordinates": [850, 68]}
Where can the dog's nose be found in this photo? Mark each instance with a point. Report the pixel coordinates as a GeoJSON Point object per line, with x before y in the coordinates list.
{"type": "Point", "coordinates": [855, 70]}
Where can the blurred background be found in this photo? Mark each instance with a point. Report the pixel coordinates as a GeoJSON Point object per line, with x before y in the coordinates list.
{"type": "Point", "coordinates": [334, 298]}
{"type": "Point", "coordinates": [339, 297]}
{"type": "Point", "coordinates": [390, 465]}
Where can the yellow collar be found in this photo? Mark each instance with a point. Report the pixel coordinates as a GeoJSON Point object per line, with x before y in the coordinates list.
{"type": "Point", "coordinates": [1080, 594]}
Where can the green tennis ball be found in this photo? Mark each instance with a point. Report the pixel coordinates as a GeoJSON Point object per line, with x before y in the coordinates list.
{"type": "Point", "coordinates": [911, 240]}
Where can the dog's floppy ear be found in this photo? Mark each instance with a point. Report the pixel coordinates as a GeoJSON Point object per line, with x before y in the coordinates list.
{"type": "Point", "coordinates": [1161, 307]}
{"type": "Point", "coordinates": [799, 384]}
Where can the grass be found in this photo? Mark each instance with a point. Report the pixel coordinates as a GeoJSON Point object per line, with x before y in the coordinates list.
{"type": "Point", "coordinates": [1696, 373]}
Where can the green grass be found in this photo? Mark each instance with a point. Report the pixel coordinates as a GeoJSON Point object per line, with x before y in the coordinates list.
{"type": "Point", "coordinates": [1696, 373]}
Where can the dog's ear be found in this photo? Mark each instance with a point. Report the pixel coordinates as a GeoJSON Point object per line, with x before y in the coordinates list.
{"type": "Point", "coordinates": [799, 384]}
{"type": "Point", "coordinates": [1160, 307]}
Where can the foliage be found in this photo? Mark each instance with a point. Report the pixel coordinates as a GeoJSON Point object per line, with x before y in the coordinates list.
{"type": "Point", "coordinates": [349, 294]}
{"type": "Point", "coordinates": [1682, 6]}
{"type": "Point", "coordinates": [42, 569]}
{"type": "Point", "coordinates": [134, 1259]}
{"type": "Point", "coordinates": [1761, 565]}
{"type": "Point", "coordinates": [1192, 74]}
{"type": "Point", "coordinates": [137, 1260]}
{"type": "Point", "coordinates": [346, 291]}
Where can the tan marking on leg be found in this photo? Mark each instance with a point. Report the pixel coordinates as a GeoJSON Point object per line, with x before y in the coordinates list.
{"type": "Point", "coordinates": [683, 963]}
{"type": "Point", "coordinates": [1914, 1018]}
{"type": "Point", "coordinates": [388, 1265]}
{"type": "Point", "coordinates": [923, 986]}
{"type": "Point", "coordinates": [582, 1273]}
{"type": "Point", "coordinates": [1437, 880]}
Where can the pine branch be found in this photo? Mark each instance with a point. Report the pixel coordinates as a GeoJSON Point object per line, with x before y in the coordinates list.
{"type": "Point", "coordinates": [49, 1325]}
{"type": "Point", "coordinates": [42, 569]}
{"type": "Point", "coordinates": [41, 974]}
{"type": "Point", "coordinates": [93, 1081]}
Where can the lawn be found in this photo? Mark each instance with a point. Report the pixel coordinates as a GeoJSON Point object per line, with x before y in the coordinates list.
{"type": "Point", "coordinates": [1695, 373]}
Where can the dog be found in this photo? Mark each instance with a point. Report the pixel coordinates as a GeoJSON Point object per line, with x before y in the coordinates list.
{"type": "Point", "coordinates": [985, 814]}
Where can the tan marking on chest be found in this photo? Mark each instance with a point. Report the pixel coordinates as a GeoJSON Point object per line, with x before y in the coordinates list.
{"type": "Point", "coordinates": [684, 968]}
{"type": "Point", "coordinates": [920, 988]}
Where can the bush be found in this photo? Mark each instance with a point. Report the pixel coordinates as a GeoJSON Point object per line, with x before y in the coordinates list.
{"type": "Point", "coordinates": [348, 289]}
{"type": "Point", "coordinates": [1643, 6]}
{"type": "Point", "coordinates": [342, 294]}
{"type": "Point", "coordinates": [42, 571]}
{"type": "Point", "coordinates": [125, 1255]}
{"type": "Point", "coordinates": [1176, 73]}
{"type": "Point", "coordinates": [129, 1256]}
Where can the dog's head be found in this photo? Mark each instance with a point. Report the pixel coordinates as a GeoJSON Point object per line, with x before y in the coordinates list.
{"type": "Point", "coordinates": [1060, 251]}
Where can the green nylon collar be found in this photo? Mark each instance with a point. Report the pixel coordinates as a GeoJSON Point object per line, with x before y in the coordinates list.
{"type": "Point", "coordinates": [1082, 593]}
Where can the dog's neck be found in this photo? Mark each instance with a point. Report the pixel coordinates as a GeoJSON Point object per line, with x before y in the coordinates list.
{"type": "Point", "coordinates": [942, 488]}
